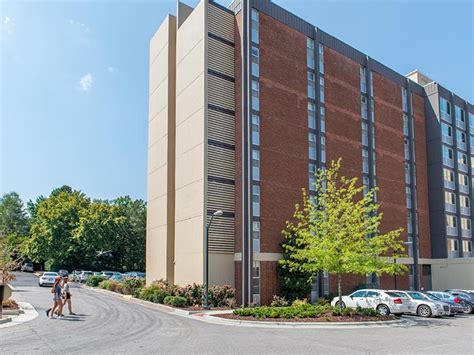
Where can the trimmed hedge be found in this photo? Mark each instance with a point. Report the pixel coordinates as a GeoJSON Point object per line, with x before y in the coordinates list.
{"type": "Point", "coordinates": [111, 285]}
{"type": "Point", "coordinates": [303, 310]}
{"type": "Point", "coordinates": [94, 280]}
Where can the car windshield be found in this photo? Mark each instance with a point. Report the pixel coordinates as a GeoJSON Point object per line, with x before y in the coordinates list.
{"type": "Point", "coordinates": [107, 272]}
{"type": "Point", "coordinates": [433, 297]}
{"type": "Point", "coordinates": [417, 296]}
{"type": "Point", "coordinates": [393, 294]}
{"type": "Point", "coordinates": [87, 273]}
{"type": "Point", "coordinates": [50, 274]}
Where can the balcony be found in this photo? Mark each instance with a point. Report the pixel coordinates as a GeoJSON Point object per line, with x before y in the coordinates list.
{"type": "Point", "coordinates": [466, 233]}
{"type": "Point", "coordinates": [463, 188]}
{"type": "Point", "coordinates": [453, 254]}
{"type": "Point", "coordinates": [466, 211]}
{"type": "Point", "coordinates": [446, 117]}
{"type": "Point", "coordinates": [449, 184]}
{"type": "Point", "coordinates": [460, 124]}
{"type": "Point", "coordinates": [467, 254]}
{"type": "Point", "coordinates": [462, 167]}
{"type": "Point", "coordinates": [449, 207]}
{"type": "Point", "coordinates": [462, 145]}
{"type": "Point", "coordinates": [448, 162]}
{"type": "Point", "coordinates": [447, 139]}
{"type": "Point", "coordinates": [452, 231]}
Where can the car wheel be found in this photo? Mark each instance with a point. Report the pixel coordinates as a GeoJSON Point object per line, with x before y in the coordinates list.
{"type": "Point", "coordinates": [468, 309]}
{"type": "Point", "coordinates": [383, 310]}
{"type": "Point", "coordinates": [424, 311]}
{"type": "Point", "coordinates": [340, 304]}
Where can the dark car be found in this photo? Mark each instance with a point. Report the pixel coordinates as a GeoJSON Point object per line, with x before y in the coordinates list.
{"type": "Point", "coordinates": [455, 305]}
{"type": "Point", "coordinates": [466, 297]}
{"type": "Point", "coordinates": [63, 273]}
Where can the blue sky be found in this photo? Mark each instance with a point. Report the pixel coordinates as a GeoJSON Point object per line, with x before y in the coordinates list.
{"type": "Point", "coordinates": [74, 79]}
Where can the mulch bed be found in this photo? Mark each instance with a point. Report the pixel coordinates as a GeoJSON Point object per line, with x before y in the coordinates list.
{"type": "Point", "coordinates": [193, 309]}
{"type": "Point", "coordinates": [326, 318]}
{"type": "Point", "coordinates": [10, 304]}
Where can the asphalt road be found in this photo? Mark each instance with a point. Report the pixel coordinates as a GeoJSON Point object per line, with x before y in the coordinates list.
{"type": "Point", "coordinates": [106, 325]}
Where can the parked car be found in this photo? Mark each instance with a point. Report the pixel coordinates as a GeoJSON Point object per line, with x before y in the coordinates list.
{"type": "Point", "coordinates": [63, 273]}
{"type": "Point", "coordinates": [27, 267]}
{"type": "Point", "coordinates": [84, 275]}
{"type": "Point", "coordinates": [75, 275]}
{"type": "Point", "coordinates": [466, 297]}
{"type": "Point", "coordinates": [384, 302]}
{"type": "Point", "coordinates": [452, 310]}
{"type": "Point", "coordinates": [422, 305]}
{"type": "Point", "coordinates": [96, 273]}
{"type": "Point", "coordinates": [455, 303]}
{"type": "Point", "coordinates": [136, 275]}
{"type": "Point", "coordinates": [117, 276]}
{"type": "Point", "coordinates": [47, 279]}
{"type": "Point", "coordinates": [107, 274]}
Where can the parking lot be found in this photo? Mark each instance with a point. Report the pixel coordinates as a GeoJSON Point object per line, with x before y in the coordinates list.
{"type": "Point", "coordinates": [105, 325]}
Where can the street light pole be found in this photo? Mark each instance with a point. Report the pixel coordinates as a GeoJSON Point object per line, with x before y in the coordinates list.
{"type": "Point", "coordinates": [394, 262]}
{"type": "Point", "coordinates": [206, 259]}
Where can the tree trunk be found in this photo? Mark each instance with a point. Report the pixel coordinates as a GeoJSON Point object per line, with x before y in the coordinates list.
{"type": "Point", "coordinates": [339, 292]}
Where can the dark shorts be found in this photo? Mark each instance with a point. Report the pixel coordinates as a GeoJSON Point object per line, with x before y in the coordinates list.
{"type": "Point", "coordinates": [68, 295]}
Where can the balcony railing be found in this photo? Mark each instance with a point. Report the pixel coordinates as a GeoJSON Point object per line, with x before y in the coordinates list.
{"type": "Point", "coordinates": [466, 233]}
{"type": "Point", "coordinates": [466, 211]}
{"type": "Point", "coordinates": [447, 139]}
{"type": "Point", "coordinates": [463, 188]}
{"type": "Point", "coordinates": [452, 231]}
{"type": "Point", "coordinates": [446, 117]}
{"type": "Point", "coordinates": [467, 254]}
{"type": "Point", "coordinates": [461, 124]}
{"type": "Point", "coordinates": [462, 145]}
{"type": "Point", "coordinates": [448, 162]}
{"type": "Point", "coordinates": [462, 167]}
{"type": "Point", "coordinates": [449, 184]}
{"type": "Point", "coordinates": [449, 207]}
{"type": "Point", "coordinates": [453, 254]}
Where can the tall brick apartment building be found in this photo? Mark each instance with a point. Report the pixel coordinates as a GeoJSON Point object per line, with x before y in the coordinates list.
{"type": "Point", "coordinates": [247, 101]}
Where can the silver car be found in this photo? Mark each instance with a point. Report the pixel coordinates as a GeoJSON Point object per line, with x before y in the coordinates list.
{"type": "Point", "coordinates": [456, 304]}
{"type": "Point", "coordinates": [423, 306]}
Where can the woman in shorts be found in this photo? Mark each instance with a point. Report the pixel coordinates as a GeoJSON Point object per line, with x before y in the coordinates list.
{"type": "Point", "coordinates": [56, 290]}
{"type": "Point", "coordinates": [67, 296]}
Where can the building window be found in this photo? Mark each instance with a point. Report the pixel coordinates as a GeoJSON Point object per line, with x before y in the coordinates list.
{"type": "Point", "coordinates": [256, 282]}
{"type": "Point", "coordinates": [405, 125]}
{"type": "Point", "coordinates": [366, 183]}
{"type": "Point", "coordinates": [321, 59]}
{"type": "Point", "coordinates": [256, 200]}
{"type": "Point", "coordinates": [312, 146]}
{"type": "Point", "coordinates": [255, 61]}
{"type": "Point", "coordinates": [448, 157]}
{"type": "Point", "coordinates": [463, 183]}
{"type": "Point", "coordinates": [407, 173]}
{"type": "Point", "coordinates": [465, 223]}
{"type": "Point", "coordinates": [254, 26]}
{"type": "Point", "coordinates": [365, 161]}
{"type": "Point", "coordinates": [453, 248]}
{"type": "Point", "coordinates": [325, 283]}
{"type": "Point", "coordinates": [464, 201]}
{"type": "Point", "coordinates": [255, 129]}
{"type": "Point", "coordinates": [321, 89]}
{"type": "Point", "coordinates": [446, 133]}
{"type": "Point", "coordinates": [467, 248]}
{"type": "Point", "coordinates": [404, 100]}
{"type": "Point", "coordinates": [461, 140]}
{"type": "Point", "coordinates": [372, 131]}
{"type": "Point", "coordinates": [449, 179]}
{"type": "Point", "coordinates": [312, 177]}
{"type": "Point", "coordinates": [363, 80]}
{"type": "Point", "coordinates": [323, 149]}
{"type": "Point", "coordinates": [365, 134]}
{"type": "Point", "coordinates": [363, 106]}
{"type": "Point", "coordinates": [445, 109]}
{"type": "Point", "coordinates": [256, 236]}
{"type": "Point", "coordinates": [408, 196]}
{"type": "Point", "coordinates": [460, 119]}
{"type": "Point", "coordinates": [255, 165]}
{"type": "Point", "coordinates": [371, 84]}
{"type": "Point", "coordinates": [372, 111]}
{"type": "Point", "coordinates": [462, 162]}
{"type": "Point", "coordinates": [310, 52]}
{"type": "Point", "coordinates": [406, 148]}
{"type": "Point", "coordinates": [450, 201]}
{"type": "Point", "coordinates": [255, 95]}
{"type": "Point", "coordinates": [451, 225]}
{"type": "Point", "coordinates": [409, 222]}
{"type": "Point", "coordinates": [471, 122]}
{"type": "Point", "coordinates": [322, 113]}
{"type": "Point", "coordinates": [311, 115]}
{"type": "Point", "coordinates": [311, 81]}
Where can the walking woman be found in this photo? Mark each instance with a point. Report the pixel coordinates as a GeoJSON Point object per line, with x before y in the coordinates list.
{"type": "Point", "coordinates": [67, 296]}
{"type": "Point", "coordinates": [56, 290]}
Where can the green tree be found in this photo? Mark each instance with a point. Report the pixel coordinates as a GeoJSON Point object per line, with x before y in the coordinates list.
{"type": "Point", "coordinates": [13, 217]}
{"type": "Point", "coordinates": [338, 231]}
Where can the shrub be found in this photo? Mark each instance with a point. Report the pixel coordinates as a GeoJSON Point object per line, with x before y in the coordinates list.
{"type": "Point", "coordinates": [297, 303]}
{"type": "Point", "coordinates": [111, 285]}
{"type": "Point", "coordinates": [218, 295]}
{"type": "Point", "coordinates": [10, 304]}
{"type": "Point", "coordinates": [303, 310]}
{"type": "Point", "coordinates": [153, 293]}
{"type": "Point", "coordinates": [278, 301]}
{"type": "Point", "coordinates": [175, 301]}
{"type": "Point", "coordinates": [231, 302]}
{"type": "Point", "coordinates": [132, 286]}
{"type": "Point", "coordinates": [94, 280]}
{"type": "Point", "coordinates": [194, 294]}
{"type": "Point", "coordinates": [323, 301]}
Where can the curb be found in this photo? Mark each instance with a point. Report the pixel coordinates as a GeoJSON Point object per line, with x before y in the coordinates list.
{"type": "Point", "coordinates": [13, 312]}
{"type": "Point", "coordinates": [5, 320]}
{"type": "Point", "coordinates": [29, 313]}
{"type": "Point", "coordinates": [307, 325]}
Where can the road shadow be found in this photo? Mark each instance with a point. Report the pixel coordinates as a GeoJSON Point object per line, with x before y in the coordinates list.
{"type": "Point", "coordinates": [414, 321]}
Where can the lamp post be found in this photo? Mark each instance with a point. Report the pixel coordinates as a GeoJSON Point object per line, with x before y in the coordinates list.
{"type": "Point", "coordinates": [206, 259]}
{"type": "Point", "coordinates": [395, 261]}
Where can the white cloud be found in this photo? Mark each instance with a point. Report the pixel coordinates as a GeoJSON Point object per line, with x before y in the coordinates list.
{"type": "Point", "coordinates": [8, 25]}
{"type": "Point", "coordinates": [80, 25]}
{"type": "Point", "coordinates": [85, 83]}
{"type": "Point", "coordinates": [111, 69]}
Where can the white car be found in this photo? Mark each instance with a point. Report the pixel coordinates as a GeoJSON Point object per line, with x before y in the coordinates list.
{"type": "Point", "coordinates": [47, 279]}
{"type": "Point", "coordinates": [84, 275]}
{"type": "Point", "coordinates": [423, 306]}
{"type": "Point", "coordinates": [384, 302]}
